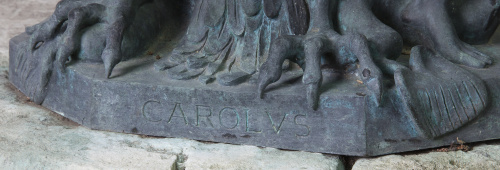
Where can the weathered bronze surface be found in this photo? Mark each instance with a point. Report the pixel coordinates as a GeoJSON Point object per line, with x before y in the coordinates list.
{"type": "Point", "coordinates": [331, 76]}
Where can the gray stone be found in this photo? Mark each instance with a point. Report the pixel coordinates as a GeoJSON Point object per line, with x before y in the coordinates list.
{"type": "Point", "coordinates": [481, 157]}
{"type": "Point", "coordinates": [15, 21]}
{"type": "Point", "coordinates": [220, 156]}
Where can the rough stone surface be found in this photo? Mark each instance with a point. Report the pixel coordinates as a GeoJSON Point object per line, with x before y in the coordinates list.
{"type": "Point", "coordinates": [481, 157]}
{"type": "Point", "coordinates": [16, 15]}
{"type": "Point", "coordinates": [224, 156]}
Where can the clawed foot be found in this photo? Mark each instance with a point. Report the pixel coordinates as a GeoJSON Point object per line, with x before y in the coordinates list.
{"type": "Point", "coordinates": [463, 53]}
{"type": "Point", "coordinates": [308, 50]}
{"type": "Point", "coordinates": [439, 96]}
{"type": "Point", "coordinates": [73, 18]}
{"type": "Point", "coordinates": [92, 30]}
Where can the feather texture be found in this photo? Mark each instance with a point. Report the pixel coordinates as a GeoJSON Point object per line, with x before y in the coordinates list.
{"type": "Point", "coordinates": [298, 16]}
{"type": "Point", "coordinates": [272, 8]}
{"type": "Point", "coordinates": [233, 37]}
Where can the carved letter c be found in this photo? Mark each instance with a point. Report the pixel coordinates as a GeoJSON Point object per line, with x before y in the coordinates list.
{"type": "Point", "coordinates": [144, 111]}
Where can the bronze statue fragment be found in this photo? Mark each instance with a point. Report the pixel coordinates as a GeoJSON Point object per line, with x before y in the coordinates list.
{"type": "Point", "coordinates": [353, 77]}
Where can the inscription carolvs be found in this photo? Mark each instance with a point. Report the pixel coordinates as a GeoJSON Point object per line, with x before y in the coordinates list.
{"type": "Point", "coordinates": [227, 118]}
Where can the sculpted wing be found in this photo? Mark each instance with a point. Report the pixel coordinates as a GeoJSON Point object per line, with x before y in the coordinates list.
{"type": "Point", "coordinates": [228, 40]}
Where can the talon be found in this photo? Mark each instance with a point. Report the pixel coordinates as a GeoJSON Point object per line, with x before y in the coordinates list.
{"type": "Point", "coordinates": [479, 55]}
{"type": "Point", "coordinates": [270, 71]}
{"type": "Point", "coordinates": [260, 91]}
{"type": "Point", "coordinates": [109, 65]}
{"type": "Point", "coordinates": [313, 49]}
{"type": "Point", "coordinates": [369, 72]}
{"type": "Point", "coordinates": [110, 57]}
{"type": "Point", "coordinates": [313, 96]}
{"type": "Point", "coordinates": [263, 83]}
{"type": "Point", "coordinates": [267, 76]}
{"type": "Point", "coordinates": [108, 71]}
{"type": "Point", "coordinates": [465, 54]}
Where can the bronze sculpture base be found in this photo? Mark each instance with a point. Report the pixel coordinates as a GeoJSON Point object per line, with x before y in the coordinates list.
{"type": "Point", "coordinates": [139, 100]}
